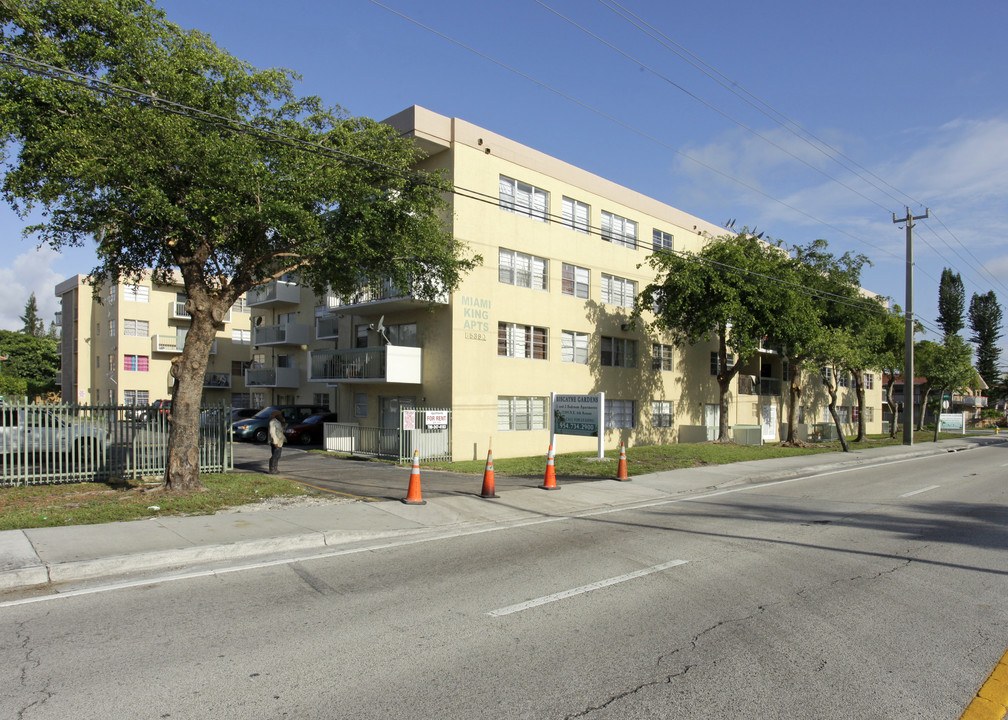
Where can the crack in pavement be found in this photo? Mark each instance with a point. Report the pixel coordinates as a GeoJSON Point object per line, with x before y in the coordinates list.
{"type": "Point", "coordinates": [31, 662]}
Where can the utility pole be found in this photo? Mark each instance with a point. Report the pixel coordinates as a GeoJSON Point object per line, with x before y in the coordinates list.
{"type": "Point", "coordinates": [908, 354]}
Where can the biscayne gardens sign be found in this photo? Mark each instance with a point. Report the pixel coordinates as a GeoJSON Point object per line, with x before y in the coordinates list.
{"type": "Point", "coordinates": [579, 415]}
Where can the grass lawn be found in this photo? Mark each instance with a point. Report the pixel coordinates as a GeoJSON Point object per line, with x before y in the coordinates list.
{"type": "Point", "coordinates": [35, 506]}
{"type": "Point", "coordinates": [655, 458]}
{"type": "Point", "coordinates": [88, 503]}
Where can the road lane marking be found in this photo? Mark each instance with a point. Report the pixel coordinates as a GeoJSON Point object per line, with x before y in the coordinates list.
{"type": "Point", "coordinates": [922, 490]}
{"type": "Point", "coordinates": [528, 604]}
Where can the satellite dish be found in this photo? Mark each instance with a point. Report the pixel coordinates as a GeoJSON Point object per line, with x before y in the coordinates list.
{"type": "Point", "coordinates": [381, 329]}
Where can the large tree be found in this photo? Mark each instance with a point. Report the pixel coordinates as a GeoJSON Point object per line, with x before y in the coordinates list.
{"type": "Point", "coordinates": [32, 364]}
{"type": "Point", "coordinates": [951, 302]}
{"type": "Point", "coordinates": [823, 289]}
{"type": "Point", "coordinates": [720, 294]}
{"type": "Point", "coordinates": [950, 370]}
{"type": "Point", "coordinates": [33, 324]}
{"type": "Point", "coordinates": [985, 322]}
{"type": "Point", "coordinates": [181, 159]}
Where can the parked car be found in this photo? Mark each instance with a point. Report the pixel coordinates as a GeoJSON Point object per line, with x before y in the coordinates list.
{"type": "Point", "coordinates": [242, 413]}
{"type": "Point", "coordinates": [257, 427]}
{"type": "Point", "coordinates": [34, 430]}
{"type": "Point", "coordinates": [161, 407]}
{"type": "Point", "coordinates": [311, 430]}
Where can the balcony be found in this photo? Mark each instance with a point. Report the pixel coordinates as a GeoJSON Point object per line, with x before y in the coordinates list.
{"type": "Point", "coordinates": [975, 401]}
{"type": "Point", "coordinates": [177, 311]}
{"type": "Point", "coordinates": [283, 334]}
{"type": "Point", "coordinates": [770, 348]}
{"type": "Point", "coordinates": [173, 344]}
{"type": "Point", "coordinates": [327, 328]}
{"type": "Point", "coordinates": [274, 292]}
{"type": "Point", "coordinates": [389, 364]}
{"type": "Point", "coordinates": [280, 377]}
{"type": "Point", "coordinates": [764, 386]}
{"type": "Point", "coordinates": [220, 380]}
{"type": "Point", "coordinates": [384, 294]}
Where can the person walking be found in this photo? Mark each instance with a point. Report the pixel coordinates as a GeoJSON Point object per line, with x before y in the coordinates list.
{"type": "Point", "coordinates": [276, 439]}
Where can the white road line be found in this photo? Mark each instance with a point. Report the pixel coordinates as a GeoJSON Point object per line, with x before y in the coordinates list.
{"type": "Point", "coordinates": [584, 589]}
{"type": "Point", "coordinates": [922, 490]}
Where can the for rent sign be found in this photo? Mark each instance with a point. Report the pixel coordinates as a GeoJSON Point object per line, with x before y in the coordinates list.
{"type": "Point", "coordinates": [577, 415]}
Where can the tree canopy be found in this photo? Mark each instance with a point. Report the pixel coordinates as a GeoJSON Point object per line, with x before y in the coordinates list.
{"type": "Point", "coordinates": [31, 365]}
{"type": "Point", "coordinates": [985, 322]}
{"type": "Point", "coordinates": [951, 302]}
{"type": "Point", "coordinates": [180, 158]}
{"type": "Point", "coordinates": [720, 293]}
{"type": "Point", "coordinates": [33, 324]}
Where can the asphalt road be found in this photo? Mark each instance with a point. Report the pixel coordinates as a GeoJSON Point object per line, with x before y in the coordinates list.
{"type": "Point", "coordinates": [869, 593]}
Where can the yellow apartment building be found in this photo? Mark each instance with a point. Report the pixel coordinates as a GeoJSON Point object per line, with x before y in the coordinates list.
{"type": "Point", "coordinates": [548, 311]}
{"type": "Point", "coordinates": [119, 350]}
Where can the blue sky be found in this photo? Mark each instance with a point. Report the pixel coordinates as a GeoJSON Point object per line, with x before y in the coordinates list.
{"type": "Point", "coordinates": [908, 95]}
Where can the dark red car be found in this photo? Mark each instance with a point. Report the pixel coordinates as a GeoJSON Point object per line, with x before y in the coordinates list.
{"type": "Point", "coordinates": [309, 432]}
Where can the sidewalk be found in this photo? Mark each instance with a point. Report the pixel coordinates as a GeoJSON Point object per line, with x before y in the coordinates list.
{"type": "Point", "coordinates": [115, 551]}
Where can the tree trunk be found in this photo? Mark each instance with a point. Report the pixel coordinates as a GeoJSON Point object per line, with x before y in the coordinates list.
{"type": "Point", "coordinates": [182, 467]}
{"type": "Point", "coordinates": [892, 407]}
{"type": "Point", "coordinates": [794, 397]}
{"type": "Point", "coordinates": [941, 397]}
{"type": "Point", "coordinates": [836, 418]}
{"type": "Point", "coordinates": [724, 379]}
{"type": "Point", "coordinates": [925, 392]}
{"type": "Point", "coordinates": [859, 390]}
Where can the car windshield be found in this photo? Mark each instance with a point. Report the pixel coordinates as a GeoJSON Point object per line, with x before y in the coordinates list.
{"type": "Point", "coordinates": [315, 419]}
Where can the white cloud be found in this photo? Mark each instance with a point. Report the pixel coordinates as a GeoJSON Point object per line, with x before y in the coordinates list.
{"type": "Point", "coordinates": [31, 271]}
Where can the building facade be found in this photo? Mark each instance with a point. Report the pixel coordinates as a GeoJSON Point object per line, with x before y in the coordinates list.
{"type": "Point", "coordinates": [117, 347]}
{"type": "Point", "coordinates": [549, 310]}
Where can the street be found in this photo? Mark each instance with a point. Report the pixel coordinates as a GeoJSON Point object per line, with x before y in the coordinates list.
{"type": "Point", "coordinates": [876, 592]}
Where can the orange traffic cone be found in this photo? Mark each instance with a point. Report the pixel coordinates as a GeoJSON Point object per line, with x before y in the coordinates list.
{"type": "Point", "coordinates": [549, 482]}
{"type": "Point", "coordinates": [621, 470]}
{"type": "Point", "coordinates": [488, 478]}
{"type": "Point", "coordinates": [413, 494]}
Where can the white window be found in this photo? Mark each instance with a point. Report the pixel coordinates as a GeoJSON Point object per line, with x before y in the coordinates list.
{"type": "Point", "coordinates": [136, 397]}
{"type": "Point", "coordinates": [661, 357]}
{"type": "Point", "coordinates": [136, 293]}
{"type": "Point", "coordinates": [240, 305]}
{"type": "Point", "coordinates": [618, 230]}
{"type": "Point", "coordinates": [524, 199]}
{"type": "Point", "coordinates": [360, 405]}
{"type": "Point", "coordinates": [241, 337]}
{"type": "Point", "coordinates": [522, 341]}
{"type": "Point", "coordinates": [618, 352]}
{"type": "Point", "coordinates": [620, 414]}
{"type": "Point", "coordinates": [843, 380]}
{"type": "Point", "coordinates": [574, 280]}
{"type": "Point", "coordinates": [112, 328]}
{"type": "Point", "coordinates": [869, 381]}
{"type": "Point", "coordinates": [320, 399]}
{"type": "Point", "coordinates": [661, 413]}
{"type": "Point", "coordinates": [516, 268]}
{"type": "Point", "coordinates": [715, 362]}
{"type": "Point", "coordinates": [576, 215]}
{"type": "Point", "coordinates": [618, 291]}
{"type": "Point", "coordinates": [136, 328]}
{"type": "Point", "coordinates": [521, 413]}
{"type": "Point", "coordinates": [404, 334]}
{"type": "Point", "coordinates": [661, 240]}
{"type": "Point", "coordinates": [574, 347]}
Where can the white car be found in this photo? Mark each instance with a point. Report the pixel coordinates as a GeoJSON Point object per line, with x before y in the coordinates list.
{"type": "Point", "coordinates": [32, 431]}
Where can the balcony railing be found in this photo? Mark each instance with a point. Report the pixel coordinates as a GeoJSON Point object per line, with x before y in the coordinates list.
{"type": "Point", "coordinates": [275, 292]}
{"type": "Point", "coordinates": [217, 380]}
{"type": "Point", "coordinates": [283, 334]}
{"type": "Point", "coordinates": [392, 364]}
{"type": "Point", "coordinates": [383, 292]}
{"type": "Point", "coordinates": [173, 344]}
{"type": "Point", "coordinates": [177, 311]}
{"type": "Point", "coordinates": [969, 400]}
{"type": "Point", "coordinates": [765, 386]}
{"type": "Point", "coordinates": [282, 377]}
